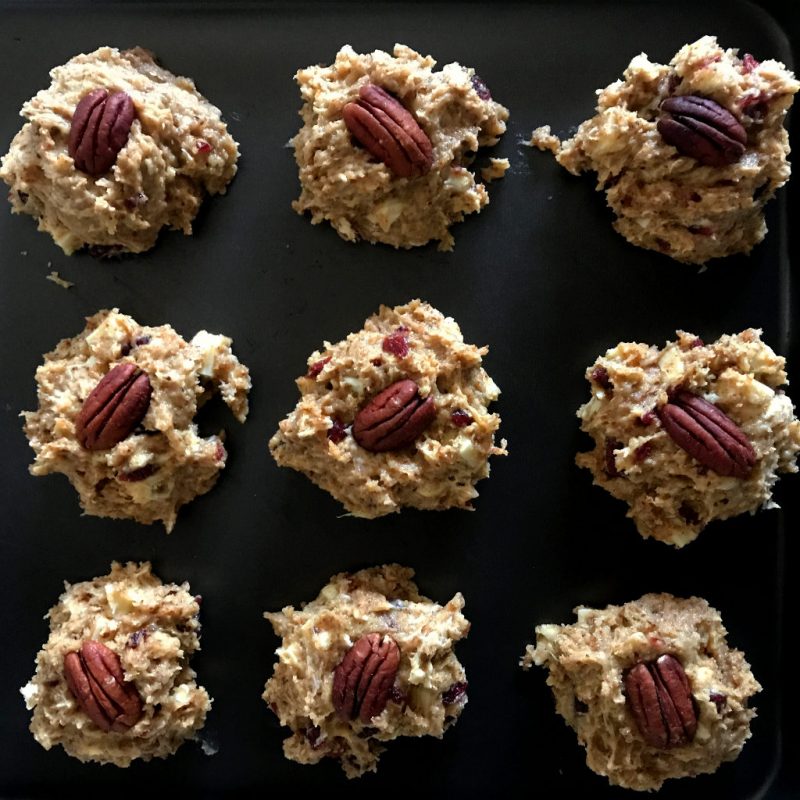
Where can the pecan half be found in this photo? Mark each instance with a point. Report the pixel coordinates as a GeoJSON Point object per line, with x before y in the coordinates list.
{"type": "Point", "coordinates": [389, 132]}
{"type": "Point", "coordinates": [114, 408]}
{"type": "Point", "coordinates": [659, 696]}
{"type": "Point", "coordinates": [708, 435]}
{"type": "Point", "coordinates": [394, 418]}
{"type": "Point", "coordinates": [702, 129]}
{"type": "Point", "coordinates": [100, 128]}
{"type": "Point", "coordinates": [363, 680]}
{"type": "Point", "coordinates": [95, 677]}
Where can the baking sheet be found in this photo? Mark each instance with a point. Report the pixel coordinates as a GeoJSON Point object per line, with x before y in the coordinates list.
{"type": "Point", "coordinates": [539, 276]}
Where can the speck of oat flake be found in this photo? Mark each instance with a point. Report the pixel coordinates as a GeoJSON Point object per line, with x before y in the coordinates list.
{"type": "Point", "coordinates": [58, 280]}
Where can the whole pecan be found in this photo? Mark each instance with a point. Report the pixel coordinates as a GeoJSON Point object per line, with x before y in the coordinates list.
{"type": "Point", "coordinates": [114, 408]}
{"type": "Point", "coordinates": [100, 128]}
{"type": "Point", "coordinates": [708, 435]}
{"type": "Point", "coordinates": [394, 418]}
{"type": "Point", "coordinates": [659, 696]}
{"type": "Point", "coordinates": [390, 132]}
{"type": "Point", "coordinates": [363, 680]}
{"type": "Point", "coordinates": [95, 677]}
{"type": "Point", "coordinates": [702, 129]}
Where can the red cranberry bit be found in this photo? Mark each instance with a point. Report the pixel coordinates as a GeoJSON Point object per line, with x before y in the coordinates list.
{"type": "Point", "coordinates": [141, 340]}
{"type": "Point", "coordinates": [125, 349]}
{"type": "Point", "coordinates": [219, 453]}
{"type": "Point", "coordinates": [198, 598]}
{"type": "Point", "coordinates": [376, 362]}
{"type": "Point", "coordinates": [648, 418]}
{"type": "Point", "coordinates": [397, 695]}
{"type": "Point", "coordinates": [701, 230]}
{"type": "Point", "coordinates": [317, 366]}
{"type": "Point", "coordinates": [203, 146]}
{"type": "Point", "coordinates": [698, 342]}
{"type": "Point", "coordinates": [481, 88]}
{"type": "Point", "coordinates": [611, 463]}
{"type": "Point", "coordinates": [749, 63]}
{"type": "Point", "coordinates": [600, 377]}
{"type": "Point", "coordinates": [454, 693]}
{"type": "Point", "coordinates": [756, 105]}
{"type": "Point", "coordinates": [137, 637]}
{"type": "Point", "coordinates": [643, 451]}
{"type": "Point", "coordinates": [312, 734]}
{"type": "Point", "coordinates": [337, 432]}
{"type": "Point", "coordinates": [460, 418]}
{"type": "Point", "coordinates": [138, 474]}
{"type": "Point", "coordinates": [397, 343]}
{"type": "Point", "coordinates": [719, 700]}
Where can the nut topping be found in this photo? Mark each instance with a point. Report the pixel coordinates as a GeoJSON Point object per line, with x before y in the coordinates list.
{"type": "Point", "coordinates": [702, 129]}
{"type": "Point", "coordinates": [114, 408]}
{"type": "Point", "coordinates": [100, 128]}
{"type": "Point", "coordinates": [394, 418]}
{"type": "Point", "coordinates": [363, 681]}
{"type": "Point", "coordinates": [659, 696]}
{"type": "Point", "coordinates": [708, 435]}
{"type": "Point", "coordinates": [389, 132]}
{"type": "Point", "coordinates": [95, 677]}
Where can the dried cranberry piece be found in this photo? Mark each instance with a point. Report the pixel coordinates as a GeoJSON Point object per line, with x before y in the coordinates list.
{"type": "Point", "coordinates": [648, 418]}
{"type": "Point", "coordinates": [643, 451]}
{"type": "Point", "coordinates": [454, 693]}
{"type": "Point", "coordinates": [460, 418]}
{"type": "Point", "coordinates": [749, 63]}
{"type": "Point", "coordinates": [397, 695]}
{"type": "Point", "coordinates": [719, 700]}
{"type": "Point", "coordinates": [203, 146]}
{"type": "Point", "coordinates": [137, 637]}
{"type": "Point", "coordinates": [481, 88]}
{"type": "Point", "coordinates": [376, 362]}
{"type": "Point", "coordinates": [611, 464]}
{"type": "Point", "coordinates": [600, 376]}
{"type": "Point", "coordinates": [141, 340]}
{"type": "Point", "coordinates": [317, 366]}
{"type": "Point", "coordinates": [337, 432]}
{"type": "Point", "coordinates": [397, 343]}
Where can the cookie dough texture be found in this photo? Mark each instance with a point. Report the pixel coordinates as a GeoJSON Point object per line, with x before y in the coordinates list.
{"type": "Point", "coordinates": [441, 468]}
{"type": "Point", "coordinates": [153, 628]}
{"type": "Point", "coordinates": [361, 198]}
{"type": "Point", "coordinates": [178, 151]}
{"type": "Point", "coordinates": [430, 688]}
{"type": "Point", "coordinates": [163, 463]}
{"type": "Point", "coordinates": [586, 662]}
{"type": "Point", "coordinates": [670, 495]}
{"type": "Point", "coordinates": [668, 202]}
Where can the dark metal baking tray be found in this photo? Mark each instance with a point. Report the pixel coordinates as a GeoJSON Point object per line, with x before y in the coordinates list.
{"type": "Point", "coordinates": [539, 276]}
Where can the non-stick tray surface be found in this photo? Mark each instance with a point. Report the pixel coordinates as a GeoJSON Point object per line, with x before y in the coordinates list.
{"type": "Point", "coordinates": [539, 276]}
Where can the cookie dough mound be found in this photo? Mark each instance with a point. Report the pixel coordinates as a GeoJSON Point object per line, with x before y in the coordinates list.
{"type": "Point", "coordinates": [429, 689]}
{"type": "Point", "coordinates": [163, 462]}
{"type": "Point", "coordinates": [360, 196]}
{"type": "Point", "coordinates": [587, 662]}
{"type": "Point", "coordinates": [673, 496]}
{"type": "Point", "coordinates": [670, 202]}
{"type": "Point", "coordinates": [178, 150]}
{"type": "Point", "coordinates": [438, 470]}
{"type": "Point", "coordinates": [154, 630]}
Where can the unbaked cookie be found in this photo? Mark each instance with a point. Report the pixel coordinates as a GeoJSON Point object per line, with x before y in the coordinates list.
{"type": "Point", "coordinates": [650, 687]}
{"type": "Point", "coordinates": [113, 681]}
{"type": "Point", "coordinates": [385, 144]}
{"type": "Point", "coordinates": [677, 186]}
{"type": "Point", "coordinates": [367, 661]}
{"type": "Point", "coordinates": [689, 433]}
{"type": "Point", "coordinates": [395, 415]}
{"type": "Point", "coordinates": [114, 150]}
{"type": "Point", "coordinates": [116, 415]}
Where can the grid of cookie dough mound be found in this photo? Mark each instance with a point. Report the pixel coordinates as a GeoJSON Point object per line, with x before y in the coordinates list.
{"type": "Point", "coordinates": [371, 659]}
{"type": "Point", "coordinates": [587, 662]}
{"type": "Point", "coordinates": [663, 199]}
{"type": "Point", "coordinates": [360, 196]}
{"type": "Point", "coordinates": [671, 495]}
{"type": "Point", "coordinates": [437, 471]}
{"type": "Point", "coordinates": [153, 629]}
{"type": "Point", "coordinates": [163, 462]}
{"type": "Point", "coordinates": [178, 150]}
{"type": "Point", "coordinates": [427, 692]}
